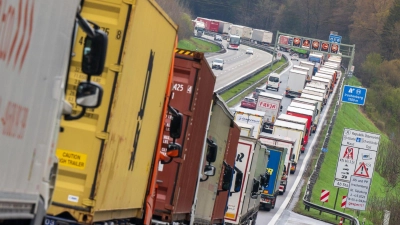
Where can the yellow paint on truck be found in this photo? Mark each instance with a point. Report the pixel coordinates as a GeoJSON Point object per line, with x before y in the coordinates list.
{"type": "Point", "coordinates": [119, 138]}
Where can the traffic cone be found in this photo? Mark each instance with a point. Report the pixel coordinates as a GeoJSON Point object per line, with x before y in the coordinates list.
{"type": "Point", "coordinates": [341, 221]}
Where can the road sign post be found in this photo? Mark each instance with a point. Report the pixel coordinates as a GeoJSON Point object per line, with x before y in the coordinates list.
{"type": "Point", "coordinates": [354, 95]}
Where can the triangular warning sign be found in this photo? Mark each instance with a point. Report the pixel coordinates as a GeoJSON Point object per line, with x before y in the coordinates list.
{"type": "Point", "coordinates": [362, 171]}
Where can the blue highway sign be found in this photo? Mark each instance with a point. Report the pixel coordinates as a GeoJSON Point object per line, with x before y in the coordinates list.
{"type": "Point", "coordinates": [354, 95]}
{"type": "Point", "coordinates": [335, 38]}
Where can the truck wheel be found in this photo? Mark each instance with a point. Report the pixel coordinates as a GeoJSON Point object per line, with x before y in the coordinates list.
{"type": "Point", "coordinates": [280, 193]}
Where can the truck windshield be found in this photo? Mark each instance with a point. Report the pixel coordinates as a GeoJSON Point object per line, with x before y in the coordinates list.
{"type": "Point", "coordinates": [234, 41]}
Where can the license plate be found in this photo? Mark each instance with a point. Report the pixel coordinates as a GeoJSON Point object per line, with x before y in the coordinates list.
{"type": "Point", "coordinates": [48, 221]}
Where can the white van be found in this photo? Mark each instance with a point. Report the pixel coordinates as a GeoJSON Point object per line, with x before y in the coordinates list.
{"type": "Point", "coordinates": [274, 81]}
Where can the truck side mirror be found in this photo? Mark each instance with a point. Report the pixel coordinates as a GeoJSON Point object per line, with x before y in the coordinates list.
{"type": "Point", "coordinates": [255, 189]}
{"type": "Point", "coordinates": [281, 109]}
{"type": "Point", "coordinates": [175, 128]}
{"type": "Point", "coordinates": [94, 53]}
{"type": "Point", "coordinates": [227, 178]}
{"type": "Point", "coordinates": [238, 181]}
{"type": "Point", "coordinates": [174, 150]}
{"type": "Point", "coordinates": [209, 170]}
{"type": "Point", "coordinates": [211, 151]}
{"type": "Point", "coordinates": [89, 94]}
{"type": "Point", "coordinates": [263, 181]}
{"type": "Point", "coordinates": [293, 157]}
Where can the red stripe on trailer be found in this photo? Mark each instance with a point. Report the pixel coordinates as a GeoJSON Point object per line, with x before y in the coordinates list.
{"type": "Point", "coordinates": [281, 188]}
{"type": "Point", "coordinates": [344, 199]}
{"type": "Point", "coordinates": [324, 196]}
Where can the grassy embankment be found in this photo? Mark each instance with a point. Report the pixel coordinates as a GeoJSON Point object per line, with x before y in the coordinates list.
{"type": "Point", "coordinates": [349, 116]}
{"type": "Point", "coordinates": [261, 77]}
{"type": "Point", "coordinates": [195, 44]}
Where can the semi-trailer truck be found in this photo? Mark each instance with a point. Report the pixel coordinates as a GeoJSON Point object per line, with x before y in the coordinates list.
{"type": "Point", "coordinates": [228, 170]}
{"type": "Point", "coordinates": [304, 69]}
{"type": "Point", "coordinates": [262, 36]}
{"type": "Point", "coordinates": [295, 132]}
{"type": "Point", "coordinates": [251, 117]}
{"type": "Point", "coordinates": [280, 142]}
{"type": "Point", "coordinates": [108, 146]}
{"type": "Point", "coordinates": [32, 99]}
{"type": "Point", "coordinates": [271, 105]}
{"type": "Point", "coordinates": [251, 160]}
{"type": "Point", "coordinates": [192, 95]}
{"type": "Point", "coordinates": [296, 82]}
{"type": "Point", "coordinates": [213, 184]}
{"type": "Point", "coordinates": [299, 120]}
{"type": "Point", "coordinates": [275, 170]}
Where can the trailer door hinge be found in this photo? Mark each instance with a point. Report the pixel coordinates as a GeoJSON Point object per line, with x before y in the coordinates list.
{"type": "Point", "coordinates": [102, 135]}
{"type": "Point", "coordinates": [88, 202]}
{"type": "Point", "coordinates": [128, 2]}
{"type": "Point", "coordinates": [115, 68]}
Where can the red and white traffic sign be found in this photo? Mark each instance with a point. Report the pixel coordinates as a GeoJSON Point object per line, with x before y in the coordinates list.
{"type": "Point", "coordinates": [362, 171]}
{"type": "Point", "coordinates": [324, 196]}
{"type": "Point", "coordinates": [344, 199]}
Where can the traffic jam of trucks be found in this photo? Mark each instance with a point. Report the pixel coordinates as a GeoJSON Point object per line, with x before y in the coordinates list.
{"type": "Point", "coordinates": [183, 157]}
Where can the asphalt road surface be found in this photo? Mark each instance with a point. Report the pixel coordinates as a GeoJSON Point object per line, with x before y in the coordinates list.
{"type": "Point", "coordinates": [237, 64]}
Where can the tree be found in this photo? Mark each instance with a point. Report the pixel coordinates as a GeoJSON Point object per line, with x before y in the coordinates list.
{"type": "Point", "coordinates": [180, 14]}
{"type": "Point", "coordinates": [365, 30]}
{"type": "Point", "coordinates": [391, 33]}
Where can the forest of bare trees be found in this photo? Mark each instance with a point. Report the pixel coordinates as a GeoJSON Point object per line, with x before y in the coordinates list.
{"type": "Point", "coordinates": [180, 14]}
{"type": "Point", "coordinates": [372, 25]}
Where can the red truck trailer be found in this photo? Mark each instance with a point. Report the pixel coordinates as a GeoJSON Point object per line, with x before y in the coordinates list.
{"type": "Point", "coordinates": [192, 93]}
{"type": "Point", "coordinates": [207, 22]}
{"type": "Point", "coordinates": [214, 25]}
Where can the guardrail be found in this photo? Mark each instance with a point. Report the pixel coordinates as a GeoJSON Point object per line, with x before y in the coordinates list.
{"type": "Point", "coordinates": [255, 84]}
{"type": "Point", "coordinates": [314, 175]}
{"type": "Point", "coordinates": [223, 50]}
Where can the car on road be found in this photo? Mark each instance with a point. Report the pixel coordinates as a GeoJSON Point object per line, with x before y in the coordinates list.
{"type": "Point", "coordinates": [257, 91]}
{"type": "Point", "coordinates": [250, 51]}
{"type": "Point", "coordinates": [249, 103]}
{"type": "Point", "coordinates": [218, 64]}
{"type": "Point", "coordinates": [217, 38]}
{"type": "Point", "coordinates": [295, 57]}
{"type": "Point", "coordinates": [274, 81]}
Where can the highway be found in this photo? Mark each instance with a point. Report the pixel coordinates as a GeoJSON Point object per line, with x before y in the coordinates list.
{"type": "Point", "coordinates": [281, 214]}
{"type": "Point", "coordinates": [237, 64]}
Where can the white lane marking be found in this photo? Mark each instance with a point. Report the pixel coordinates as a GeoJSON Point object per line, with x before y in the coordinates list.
{"type": "Point", "coordinates": [305, 162]}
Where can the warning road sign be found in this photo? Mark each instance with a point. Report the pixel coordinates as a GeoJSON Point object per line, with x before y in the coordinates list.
{"type": "Point", "coordinates": [362, 171]}
{"type": "Point", "coordinates": [346, 164]}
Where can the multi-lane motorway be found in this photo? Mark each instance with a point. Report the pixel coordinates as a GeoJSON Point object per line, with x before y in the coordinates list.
{"type": "Point", "coordinates": [237, 64]}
